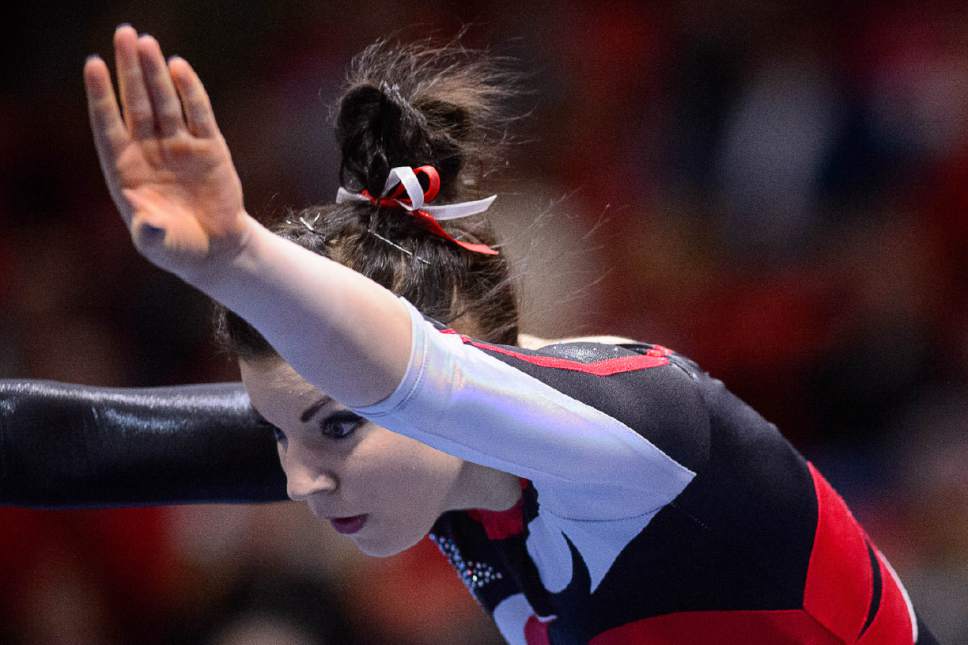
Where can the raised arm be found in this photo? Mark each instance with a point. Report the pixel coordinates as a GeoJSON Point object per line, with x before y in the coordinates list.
{"type": "Point", "coordinates": [171, 176]}
{"type": "Point", "coordinates": [64, 445]}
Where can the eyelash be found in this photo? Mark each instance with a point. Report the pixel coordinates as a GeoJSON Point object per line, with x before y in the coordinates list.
{"type": "Point", "coordinates": [340, 425]}
{"type": "Point", "coordinates": [332, 427]}
{"type": "Point", "coordinates": [277, 433]}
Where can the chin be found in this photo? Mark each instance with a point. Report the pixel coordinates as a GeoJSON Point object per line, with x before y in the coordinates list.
{"type": "Point", "coordinates": [380, 551]}
{"type": "Point", "coordinates": [385, 548]}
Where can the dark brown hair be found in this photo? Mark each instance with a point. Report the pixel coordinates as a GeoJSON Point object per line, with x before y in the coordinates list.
{"type": "Point", "coordinates": [412, 105]}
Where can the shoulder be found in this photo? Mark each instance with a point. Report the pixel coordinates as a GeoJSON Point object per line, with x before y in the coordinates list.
{"type": "Point", "coordinates": [649, 388]}
{"type": "Point", "coordinates": [528, 341]}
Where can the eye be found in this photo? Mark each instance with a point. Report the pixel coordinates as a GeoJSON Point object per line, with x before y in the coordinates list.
{"type": "Point", "coordinates": [277, 434]}
{"type": "Point", "coordinates": [340, 425]}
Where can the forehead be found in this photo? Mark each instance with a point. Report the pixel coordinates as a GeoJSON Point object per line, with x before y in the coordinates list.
{"type": "Point", "coordinates": [276, 390]}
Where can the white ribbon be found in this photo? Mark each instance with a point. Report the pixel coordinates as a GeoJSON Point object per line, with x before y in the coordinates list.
{"type": "Point", "coordinates": [411, 185]}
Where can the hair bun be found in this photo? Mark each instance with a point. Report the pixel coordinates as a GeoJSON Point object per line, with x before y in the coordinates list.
{"type": "Point", "coordinates": [378, 129]}
{"type": "Point", "coordinates": [415, 105]}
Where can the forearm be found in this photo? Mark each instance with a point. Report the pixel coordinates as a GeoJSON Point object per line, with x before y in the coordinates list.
{"type": "Point", "coordinates": [76, 446]}
{"type": "Point", "coordinates": [341, 331]}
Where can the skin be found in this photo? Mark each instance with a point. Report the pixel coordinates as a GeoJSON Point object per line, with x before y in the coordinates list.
{"type": "Point", "coordinates": [536, 342]}
{"type": "Point", "coordinates": [402, 485]}
{"type": "Point", "coordinates": [164, 160]}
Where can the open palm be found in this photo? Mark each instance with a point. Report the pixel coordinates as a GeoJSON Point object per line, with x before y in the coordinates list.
{"type": "Point", "coordinates": [166, 164]}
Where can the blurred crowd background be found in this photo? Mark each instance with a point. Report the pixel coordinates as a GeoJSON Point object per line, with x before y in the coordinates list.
{"type": "Point", "coordinates": [778, 190]}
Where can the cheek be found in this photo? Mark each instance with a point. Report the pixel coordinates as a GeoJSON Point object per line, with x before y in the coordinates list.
{"type": "Point", "coordinates": [403, 483]}
{"type": "Point", "coordinates": [406, 472]}
{"type": "Point", "coordinates": [408, 492]}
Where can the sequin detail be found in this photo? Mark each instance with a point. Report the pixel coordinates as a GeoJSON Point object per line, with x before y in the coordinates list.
{"type": "Point", "coordinates": [474, 574]}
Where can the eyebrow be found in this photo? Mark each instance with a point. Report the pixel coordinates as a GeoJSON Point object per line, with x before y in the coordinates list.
{"type": "Point", "coordinates": [309, 412]}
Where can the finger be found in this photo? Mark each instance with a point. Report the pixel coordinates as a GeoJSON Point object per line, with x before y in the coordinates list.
{"type": "Point", "coordinates": [194, 98]}
{"type": "Point", "coordinates": [110, 133]}
{"type": "Point", "coordinates": [161, 91]}
{"type": "Point", "coordinates": [134, 95]}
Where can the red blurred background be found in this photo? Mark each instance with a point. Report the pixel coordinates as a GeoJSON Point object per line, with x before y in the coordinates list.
{"type": "Point", "coordinates": [778, 190]}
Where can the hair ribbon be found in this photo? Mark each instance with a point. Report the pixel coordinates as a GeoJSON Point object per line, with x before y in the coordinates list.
{"type": "Point", "coordinates": [403, 180]}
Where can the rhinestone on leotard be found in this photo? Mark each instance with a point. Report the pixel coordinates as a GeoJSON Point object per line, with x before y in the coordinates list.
{"type": "Point", "coordinates": [474, 574]}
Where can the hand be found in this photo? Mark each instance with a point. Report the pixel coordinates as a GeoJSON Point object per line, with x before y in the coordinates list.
{"type": "Point", "coordinates": [166, 164]}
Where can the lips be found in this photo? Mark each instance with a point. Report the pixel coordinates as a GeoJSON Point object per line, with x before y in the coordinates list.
{"type": "Point", "coordinates": [348, 525]}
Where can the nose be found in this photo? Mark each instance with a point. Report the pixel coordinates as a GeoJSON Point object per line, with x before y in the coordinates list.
{"type": "Point", "coordinates": [304, 477]}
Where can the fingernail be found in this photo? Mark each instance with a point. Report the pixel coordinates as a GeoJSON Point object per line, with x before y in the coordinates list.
{"type": "Point", "coordinates": [123, 25]}
{"type": "Point", "coordinates": [91, 57]}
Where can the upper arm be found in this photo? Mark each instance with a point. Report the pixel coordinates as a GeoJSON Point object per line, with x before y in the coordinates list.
{"type": "Point", "coordinates": [569, 426]}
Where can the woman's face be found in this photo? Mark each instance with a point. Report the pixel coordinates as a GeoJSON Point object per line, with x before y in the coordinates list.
{"type": "Point", "coordinates": [380, 488]}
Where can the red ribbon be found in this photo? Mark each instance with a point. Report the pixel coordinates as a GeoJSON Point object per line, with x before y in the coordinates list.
{"type": "Point", "coordinates": [397, 197]}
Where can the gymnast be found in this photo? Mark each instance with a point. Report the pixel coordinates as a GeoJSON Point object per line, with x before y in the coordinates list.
{"type": "Point", "coordinates": [586, 492]}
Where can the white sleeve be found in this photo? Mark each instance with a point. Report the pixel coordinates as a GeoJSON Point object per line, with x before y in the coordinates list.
{"type": "Point", "coordinates": [585, 464]}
